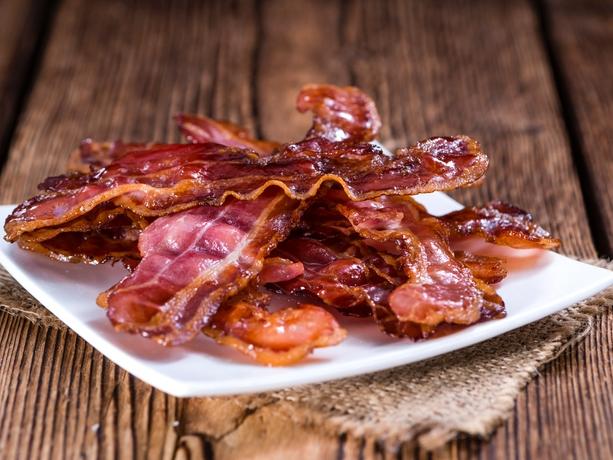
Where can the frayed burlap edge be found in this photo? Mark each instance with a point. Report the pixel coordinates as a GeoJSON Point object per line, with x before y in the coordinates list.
{"type": "Point", "coordinates": [16, 301]}
{"type": "Point", "coordinates": [469, 391]}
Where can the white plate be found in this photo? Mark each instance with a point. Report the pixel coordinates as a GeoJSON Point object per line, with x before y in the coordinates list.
{"type": "Point", "coordinates": [540, 283]}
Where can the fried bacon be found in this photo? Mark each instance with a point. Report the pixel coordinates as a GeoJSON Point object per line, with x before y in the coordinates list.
{"type": "Point", "coordinates": [103, 239]}
{"type": "Point", "coordinates": [194, 260]}
{"type": "Point", "coordinates": [166, 179]}
{"type": "Point", "coordinates": [199, 129]}
{"type": "Point", "coordinates": [336, 279]}
{"type": "Point", "coordinates": [439, 288]}
{"type": "Point", "coordinates": [340, 113]}
{"type": "Point", "coordinates": [273, 338]}
{"type": "Point", "coordinates": [92, 155]}
{"type": "Point", "coordinates": [277, 269]}
{"type": "Point", "coordinates": [486, 268]}
{"type": "Point", "coordinates": [205, 229]}
{"type": "Point", "coordinates": [500, 223]}
{"type": "Point", "coordinates": [99, 236]}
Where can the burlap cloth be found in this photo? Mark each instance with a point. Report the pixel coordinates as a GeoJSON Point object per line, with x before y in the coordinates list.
{"type": "Point", "coordinates": [468, 391]}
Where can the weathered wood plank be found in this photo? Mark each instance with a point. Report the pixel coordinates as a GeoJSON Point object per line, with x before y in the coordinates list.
{"type": "Point", "coordinates": [581, 40]}
{"type": "Point", "coordinates": [22, 28]}
{"type": "Point", "coordinates": [431, 71]}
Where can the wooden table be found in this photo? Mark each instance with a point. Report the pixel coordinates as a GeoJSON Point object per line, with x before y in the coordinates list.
{"type": "Point", "coordinates": [531, 80]}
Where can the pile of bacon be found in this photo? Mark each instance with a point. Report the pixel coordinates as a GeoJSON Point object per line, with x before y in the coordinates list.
{"type": "Point", "coordinates": [212, 229]}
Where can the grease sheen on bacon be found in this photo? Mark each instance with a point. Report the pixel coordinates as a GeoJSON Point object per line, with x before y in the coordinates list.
{"type": "Point", "coordinates": [340, 113]}
{"type": "Point", "coordinates": [192, 261]}
{"type": "Point", "coordinates": [165, 179]}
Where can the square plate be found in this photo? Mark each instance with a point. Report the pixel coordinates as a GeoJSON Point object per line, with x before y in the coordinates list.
{"type": "Point", "coordinates": [539, 283]}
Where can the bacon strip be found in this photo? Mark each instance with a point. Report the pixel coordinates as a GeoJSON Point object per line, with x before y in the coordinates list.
{"type": "Point", "coordinates": [201, 129]}
{"type": "Point", "coordinates": [499, 223]}
{"type": "Point", "coordinates": [92, 155]}
{"type": "Point", "coordinates": [277, 269]}
{"type": "Point", "coordinates": [340, 113]}
{"type": "Point", "coordinates": [194, 260]}
{"type": "Point", "coordinates": [166, 179]}
{"type": "Point", "coordinates": [275, 339]}
{"type": "Point", "coordinates": [489, 269]}
{"type": "Point", "coordinates": [97, 237]}
{"type": "Point", "coordinates": [95, 247]}
{"type": "Point", "coordinates": [440, 289]}
{"type": "Point", "coordinates": [104, 240]}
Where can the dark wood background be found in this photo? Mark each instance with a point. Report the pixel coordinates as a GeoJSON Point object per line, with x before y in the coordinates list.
{"type": "Point", "coordinates": [532, 80]}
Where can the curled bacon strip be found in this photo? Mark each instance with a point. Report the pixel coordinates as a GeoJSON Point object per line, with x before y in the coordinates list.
{"type": "Point", "coordinates": [111, 235]}
{"type": "Point", "coordinates": [92, 247]}
{"type": "Point", "coordinates": [276, 339]}
{"type": "Point", "coordinates": [96, 237]}
{"type": "Point", "coordinates": [489, 269]}
{"type": "Point", "coordinates": [200, 129]}
{"type": "Point", "coordinates": [92, 155]}
{"type": "Point", "coordinates": [277, 269]}
{"type": "Point", "coordinates": [500, 223]}
{"type": "Point", "coordinates": [440, 289]}
{"type": "Point", "coordinates": [340, 113]}
{"type": "Point", "coordinates": [166, 179]}
{"type": "Point", "coordinates": [194, 260]}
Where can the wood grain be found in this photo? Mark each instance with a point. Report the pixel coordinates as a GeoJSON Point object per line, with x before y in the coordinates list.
{"type": "Point", "coordinates": [23, 24]}
{"type": "Point", "coordinates": [115, 69]}
{"type": "Point", "coordinates": [581, 35]}
{"type": "Point", "coordinates": [169, 57]}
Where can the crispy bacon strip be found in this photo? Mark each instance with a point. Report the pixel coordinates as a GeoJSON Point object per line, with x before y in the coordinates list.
{"type": "Point", "coordinates": [101, 241]}
{"type": "Point", "coordinates": [340, 113]}
{"type": "Point", "coordinates": [92, 155]}
{"type": "Point", "coordinates": [275, 339]}
{"type": "Point", "coordinates": [277, 269]}
{"type": "Point", "coordinates": [489, 269]}
{"type": "Point", "coordinates": [93, 247]}
{"type": "Point", "coordinates": [500, 223]}
{"type": "Point", "coordinates": [97, 237]}
{"type": "Point", "coordinates": [201, 129]}
{"type": "Point", "coordinates": [440, 289]}
{"type": "Point", "coordinates": [193, 261]}
{"type": "Point", "coordinates": [167, 179]}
